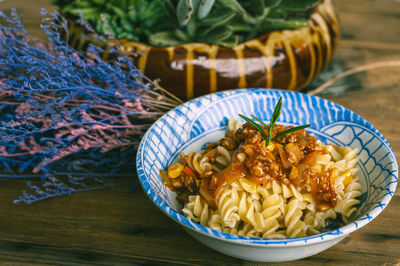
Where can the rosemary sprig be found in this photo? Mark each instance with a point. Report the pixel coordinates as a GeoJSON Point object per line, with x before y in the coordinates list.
{"type": "Point", "coordinates": [287, 131]}
{"type": "Point", "coordinates": [254, 124]}
{"type": "Point", "coordinates": [274, 119]}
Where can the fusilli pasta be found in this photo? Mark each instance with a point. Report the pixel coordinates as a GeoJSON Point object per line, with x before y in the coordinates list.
{"type": "Point", "coordinates": [280, 210]}
{"type": "Point", "coordinates": [197, 210]}
{"type": "Point", "coordinates": [277, 208]}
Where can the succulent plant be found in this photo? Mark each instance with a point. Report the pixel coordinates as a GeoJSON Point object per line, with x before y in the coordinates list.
{"type": "Point", "coordinates": [128, 19]}
{"type": "Point", "coordinates": [174, 22]}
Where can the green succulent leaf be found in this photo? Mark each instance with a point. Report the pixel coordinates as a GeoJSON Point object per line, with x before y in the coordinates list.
{"type": "Point", "coordinates": [191, 27]}
{"type": "Point", "coordinates": [83, 4]}
{"type": "Point", "coordinates": [230, 42]}
{"type": "Point", "coordinates": [184, 11]}
{"type": "Point", "coordinates": [238, 25]}
{"type": "Point", "coordinates": [129, 36]}
{"type": "Point", "coordinates": [241, 27]}
{"type": "Point", "coordinates": [217, 35]}
{"type": "Point", "coordinates": [296, 5]}
{"type": "Point", "coordinates": [126, 24]}
{"type": "Point", "coordinates": [132, 2]}
{"type": "Point", "coordinates": [209, 24]}
{"type": "Point", "coordinates": [182, 36]}
{"type": "Point", "coordinates": [141, 6]}
{"type": "Point", "coordinates": [233, 4]}
{"type": "Point", "coordinates": [196, 4]}
{"type": "Point", "coordinates": [170, 8]}
{"type": "Point", "coordinates": [218, 17]}
{"type": "Point", "coordinates": [99, 2]}
{"type": "Point", "coordinates": [118, 11]}
{"type": "Point", "coordinates": [272, 3]}
{"type": "Point", "coordinates": [88, 13]}
{"type": "Point", "coordinates": [280, 24]}
{"type": "Point", "coordinates": [255, 7]}
{"type": "Point", "coordinates": [205, 7]}
{"type": "Point", "coordinates": [133, 16]}
{"type": "Point", "coordinates": [68, 8]}
{"type": "Point", "coordinates": [164, 39]}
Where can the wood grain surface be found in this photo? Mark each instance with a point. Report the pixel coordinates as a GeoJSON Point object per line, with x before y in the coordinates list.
{"type": "Point", "coordinates": [120, 226]}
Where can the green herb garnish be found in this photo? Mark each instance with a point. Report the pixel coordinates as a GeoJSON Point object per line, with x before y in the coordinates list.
{"type": "Point", "coordinates": [274, 119]}
{"type": "Point", "coordinates": [254, 124]}
{"type": "Point", "coordinates": [289, 131]}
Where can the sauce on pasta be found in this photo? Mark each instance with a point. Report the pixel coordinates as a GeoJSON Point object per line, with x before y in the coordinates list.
{"type": "Point", "coordinates": [290, 159]}
{"type": "Point", "coordinates": [293, 187]}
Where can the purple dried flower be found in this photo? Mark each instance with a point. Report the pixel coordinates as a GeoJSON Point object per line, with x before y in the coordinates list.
{"type": "Point", "coordinates": [58, 103]}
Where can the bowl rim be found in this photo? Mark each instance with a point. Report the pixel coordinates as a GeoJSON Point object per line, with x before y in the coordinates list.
{"type": "Point", "coordinates": [253, 241]}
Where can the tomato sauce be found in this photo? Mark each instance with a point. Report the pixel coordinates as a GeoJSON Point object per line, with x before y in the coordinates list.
{"type": "Point", "coordinates": [291, 161]}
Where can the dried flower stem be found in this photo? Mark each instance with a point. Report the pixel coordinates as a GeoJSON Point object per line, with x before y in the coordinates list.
{"type": "Point", "coordinates": [354, 71]}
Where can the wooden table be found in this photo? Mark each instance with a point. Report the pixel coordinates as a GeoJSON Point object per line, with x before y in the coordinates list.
{"type": "Point", "coordinates": [118, 226]}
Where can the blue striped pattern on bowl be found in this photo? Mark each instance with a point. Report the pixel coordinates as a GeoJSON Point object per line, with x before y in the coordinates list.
{"type": "Point", "coordinates": [193, 121]}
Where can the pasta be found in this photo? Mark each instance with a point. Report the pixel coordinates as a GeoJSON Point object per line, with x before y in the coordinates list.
{"type": "Point", "coordinates": [347, 200]}
{"type": "Point", "coordinates": [197, 210]}
{"type": "Point", "coordinates": [234, 124]}
{"type": "Point", "coordinates": [292, 188]}
{"type": "Point", "coordinates": [293, 213]}
{"type": "Point", "coordinates": [227, 205]}
{"type": "Point", "coordinates": [316, 220]}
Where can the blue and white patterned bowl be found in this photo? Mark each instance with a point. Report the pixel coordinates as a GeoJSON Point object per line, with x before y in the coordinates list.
{"type": "Point", "coordinates": [189, 126]}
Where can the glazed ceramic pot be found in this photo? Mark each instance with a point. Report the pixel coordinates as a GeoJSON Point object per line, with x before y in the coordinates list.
{"type": "Point", "coordinates": [287, 59]}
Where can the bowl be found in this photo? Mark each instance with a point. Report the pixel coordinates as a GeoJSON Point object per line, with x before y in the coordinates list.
{"type": "Point", "coordinates": [189, 126]}
{"type": "Point", "coordinates": [279, 59]}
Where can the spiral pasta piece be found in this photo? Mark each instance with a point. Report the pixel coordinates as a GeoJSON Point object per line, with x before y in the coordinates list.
{"type": "Point", "coordinates": [343, 158]}
{"type": "Point", "coordinates": [272, 206]}
{"type": "Point", "coordinates": [227, 204]}
{"type": "Point", "coordinates": [196, 162]}
{"type": "Point", "coordinates": [215, 222]}
{"type": "Point", "coordinates": [197, 210]}
{"type": "Point", "coordinates": [248, 212]}
{"type": "Point", "coordinates": [233, 231]}
{"type": "Point", "coordinates": [294, 226]}
{"type": "Point", "coordinates": [234, 124]}
{"type": "Point", "coordinates": [347, 200]}
{"type": "Point", "coordinates": [248, 230]}
{"type": "Point", "coordinates": [223, 157]}
{"type": "Point", "coordinates": [317, 220]}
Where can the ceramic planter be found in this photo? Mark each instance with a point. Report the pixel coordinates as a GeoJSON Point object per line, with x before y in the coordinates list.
{"type": "Point", "coordinates": [287, 59]}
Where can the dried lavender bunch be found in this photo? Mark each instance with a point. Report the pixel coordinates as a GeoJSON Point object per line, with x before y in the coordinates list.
{"type": "Point", "coordinates": [69, 117]}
